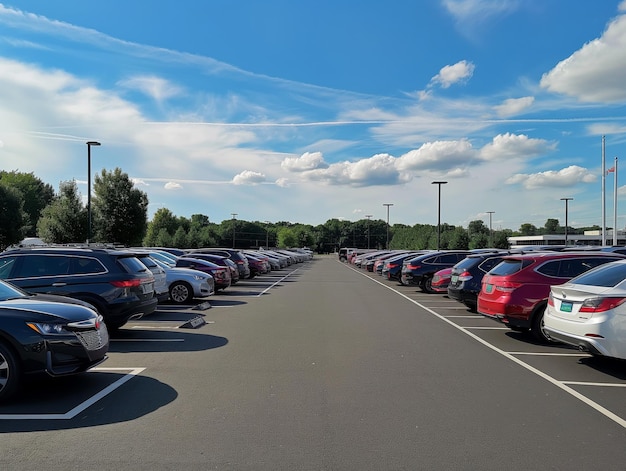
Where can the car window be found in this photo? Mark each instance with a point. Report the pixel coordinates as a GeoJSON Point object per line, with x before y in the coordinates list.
{"type": "Point", "coordinates": [42, 265]}
{"type": "Point", "coordinates": [449, 258]}
{"type": "Point", "coordinates": [6, 265]}
{"type": "Point", "coordinates": [509, 266]}
{"type": "Point", "coordinates": [608, 275]}
{"type": "Point", "coordinates": [132, 265]}
{"type": "Point", "coordinates": [488, 264]}
{"type": "Point", "coordinates": [87, 265]}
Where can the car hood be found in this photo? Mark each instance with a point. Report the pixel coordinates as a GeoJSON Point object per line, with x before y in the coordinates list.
{"type": "Point", "coordinates": [186, 272]}
{"type": "Point", "coordinates": [60, 308]}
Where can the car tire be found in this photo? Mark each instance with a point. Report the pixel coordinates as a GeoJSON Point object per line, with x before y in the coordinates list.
{"type": "Point", "coordinates": [10, 374]}
{"type": "Point", "coordinates": [181, 292]}
{"type": "Point", "coordinates": [537, 326]}
{"type": "Point", "coordinates": [427, 285]}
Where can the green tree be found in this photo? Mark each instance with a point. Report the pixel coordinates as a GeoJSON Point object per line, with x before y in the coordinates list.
{"type": "Point", "coordinates": [552, 226]}
{"type": "Point", "coordinates": [64, 220]}
{"type": "Point", "coordinates": [180, 238]}
{"type": "Point", "coordinates": [36, 196]}
{"type": "Point", "coordinates": [120, 211]}
{"type": "Point", "coordinates": [162, 219]}
{"type": "Point", "coordinates": [12, 215]}
{"type": "Point", "coordinates": [287, 238]}
{"type": "Point", "coordinates": [528, 229]}
{"type": "Point", "coordinates": [459, 240]}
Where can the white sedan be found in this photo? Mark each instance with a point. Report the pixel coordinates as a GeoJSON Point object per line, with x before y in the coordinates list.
{"type": "Point", "coordinates": [589, 311]}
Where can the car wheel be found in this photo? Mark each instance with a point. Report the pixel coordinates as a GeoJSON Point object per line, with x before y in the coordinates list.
{"type": "Point", "coordinates": [180, 292]}
{"type": "Point", "coordinates": [537, 326]}
{"type": "Point", "coordinates": [427, 285]}
{"type": "Point", "coordinates": [10, 375]}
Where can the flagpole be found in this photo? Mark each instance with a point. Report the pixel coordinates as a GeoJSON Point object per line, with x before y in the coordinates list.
{"type": "Point", "coordinates": [615, 203]}
{"type": "Point", "coordinates": [603, 194]}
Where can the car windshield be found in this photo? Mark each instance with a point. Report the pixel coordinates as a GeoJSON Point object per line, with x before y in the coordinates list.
{"type": "Point", "coordinates": [8, 291]}
{"type": "Point", "coordinates": [608, 275]}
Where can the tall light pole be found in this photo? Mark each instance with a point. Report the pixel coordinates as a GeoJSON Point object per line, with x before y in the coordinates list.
{"type": "Point", "coordinates": [567, 200]}
{"type": "Point", "coordinates": [490, 233]}
{"type": "Point", "coordinates": [267, 235]}
{"type": "Point", "coordinates": [368, 216]}
{"type": "Point", "coordinates": [387, 204]}
{"type": "Point", "coordinates": [234, 215]}
{"type": "Point", "coordinates": [89, 144]}
{"type": "Point", "coordinates": [439, 183]}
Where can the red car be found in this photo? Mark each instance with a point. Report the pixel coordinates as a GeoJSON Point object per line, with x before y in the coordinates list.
{"type": "Point", "coordinates": [516, 290]}
{"type": "Point", "coordinates": [441, 280]}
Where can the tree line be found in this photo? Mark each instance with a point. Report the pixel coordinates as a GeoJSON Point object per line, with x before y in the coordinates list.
{"type": "Point", "coordinates": [119, 215]}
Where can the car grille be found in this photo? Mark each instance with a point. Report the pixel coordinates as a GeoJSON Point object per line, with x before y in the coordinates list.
{"type": "Point", "coordinates": [93, 339]}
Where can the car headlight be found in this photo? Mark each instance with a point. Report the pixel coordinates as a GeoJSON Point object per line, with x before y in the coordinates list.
{"type": "Point", "coordinates": [200, 278]}
{"type": "Point", "coordinates": [44, 328]}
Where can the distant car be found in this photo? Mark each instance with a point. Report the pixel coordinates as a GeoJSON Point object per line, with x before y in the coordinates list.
{"type": "Point", "coordinates": [516, 290]}
{"type": "Point", "coordinates": [392, 267]}
{"type": "Point", "coordinates": [46, 334]}
{"type": "Point", "coordinates": [221, 275]}
{"type": "Point", "coordinates": [589, 312]}
{"type": "Point", "coordinates": [185, 284]}
{"type": "Point", "coordinates": [161, 291]}
{"type": "Point", "coordinates": [419, 270]}
{"type": "Point", "coordinates": [234, 254]}
{"type": "Point", "coordinates": [221, 261]}
{"type": "Point", "coordinates": [115, 282]}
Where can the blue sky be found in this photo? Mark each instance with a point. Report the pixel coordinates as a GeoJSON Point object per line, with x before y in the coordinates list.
{"type": "Point", "coordinates": [283, 110]}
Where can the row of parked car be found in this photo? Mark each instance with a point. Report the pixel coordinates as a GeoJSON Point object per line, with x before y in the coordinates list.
{"type": "Point", "coordinates": [59, 304]}
{"type": "Point", "coordinates": [572, 295]}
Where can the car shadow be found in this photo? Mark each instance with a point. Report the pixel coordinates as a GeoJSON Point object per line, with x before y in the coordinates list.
{"type": "Point", "coordinates": [68, 402]}
{"type": "Point", "coordinates": [608, 366]}
{"type": "Point", "coordinates": [130, 340]}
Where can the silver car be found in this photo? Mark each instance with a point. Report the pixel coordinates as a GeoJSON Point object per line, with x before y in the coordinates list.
{"type": "Point", "coordinates": [184, 284]}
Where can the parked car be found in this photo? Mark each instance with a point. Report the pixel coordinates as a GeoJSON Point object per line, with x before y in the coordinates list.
{"type": "Point", "coordinates": [467, 275]}
{"type": "Point", "coordinates": [421, 269]}
{"type": "Point", "coordinates": [392, 267]}
{"type": "Point", "coordinates": [589, 313]}
{"type": "Point", "coordinates": [516, 290]}
{"type": "Point", "coordinates": [221, 261]}
{"type": "Point", "coordinates": [441, 280]}
{"type": "Point", "coordinates": [257, 266]}
{"type": "Point", "coordinates": [115, 282]}
{"type": "Point", "coordinates": [234, 254]}
{"type": "Point", "coordinates": [221, 275]}
{"type": "Point", "coordinates": [185, 284]}
{"type": "Point", "coordinates": [161, 290]}
{"type": "Point", "coordinates": [47, 334]}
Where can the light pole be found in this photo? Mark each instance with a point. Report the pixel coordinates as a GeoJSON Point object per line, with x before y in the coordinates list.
{"type": "Point", "coordinates": [387, 204]}
{"type": "Point", "coordinates": [267, 235]}
{"type": "Point", "coordinates": [234, 215]}
{"type": "Point", "coordinates": [439, 183]}
{"type": "Point", "coordinates": [368, 216]}
{"type": "Point", "coordinates": [89, 144]}
{"type": "Point", "coordinates": [567, 200]}
{"type": "Point", "coordinates": [490, 233]}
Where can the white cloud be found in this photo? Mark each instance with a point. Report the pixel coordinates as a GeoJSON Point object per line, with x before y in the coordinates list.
{"type": "Point", "coordinates": [511, 146]}
{"type": "Point", "coordinates": [594, 73]}
{"type": "Point", "coordinates": [563, 178]}
{"type": "Point", "coordinates": [155, 87]}
{"type": "Point", "coordinates": [513, 106]}
{"type": "Point", "coordinates": [451, 74]}
{"type": "Point", "coordinates": [478, 10]}
{"type": "Point", "coordinates": [439, 155]}
{"type": "Point", "coordinates": [282, 182]}
{"type": "Point", "coordinates": [173, 186]}
{"type": "Point", "coordinates": [307, 161]}
{"type": "Point", "coordinates": [248, 177]}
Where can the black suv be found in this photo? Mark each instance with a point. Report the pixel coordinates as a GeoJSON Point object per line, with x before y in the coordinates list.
{"type": "Point", "coordinates": [419, 270]}
{"type": "Point", "coordinates": [114, 282]}
{"type": "Point", "coordinates": [467, 275]}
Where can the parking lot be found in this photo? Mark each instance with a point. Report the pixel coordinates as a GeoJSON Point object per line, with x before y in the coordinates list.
{"type": "Point", "coordinates": [323, 366]}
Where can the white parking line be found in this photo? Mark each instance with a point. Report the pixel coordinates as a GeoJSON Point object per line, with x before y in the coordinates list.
{"type": "Point", "coordinates": [583, 383]}
{"type": "Point", "coordinates": [546, 354]}
{"type": "Point", "coordinates": [279, 280]}
{"type": "Point", "coordinates": [132, 372]}
{"type": "Point", "coordinates": [559, 384]}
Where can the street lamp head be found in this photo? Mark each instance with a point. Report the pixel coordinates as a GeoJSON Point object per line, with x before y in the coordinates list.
{"type": "Point", "coordinates": [93, 143]}
{"type": "Point", "coordinates": [439, 183]}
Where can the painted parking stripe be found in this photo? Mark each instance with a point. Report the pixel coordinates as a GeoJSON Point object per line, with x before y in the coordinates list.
{"type": "Point", "coordinates": [132, 372]}
{"type": "Point", "coordinates": [559, 384]}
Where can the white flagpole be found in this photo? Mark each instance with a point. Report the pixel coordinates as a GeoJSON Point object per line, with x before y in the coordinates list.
{"type": "Point", "coordinates": [615, 203]}
{"type": "Point", "coordinates": [603, 195]}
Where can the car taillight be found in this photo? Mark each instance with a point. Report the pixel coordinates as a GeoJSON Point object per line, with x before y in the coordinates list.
{"type": "Point", "coordinates": [600, 304]}
{"type": "Point", "coordinates": [392, 265]}
{"type": "Point", "coordinates": [413, 267]}
{"type": "Point", "coordinates": [127, 283]}
{"type": "Point", "coordinates": [550, 299]}
{"type": "Point", "coordinates": [506, 286]}
{"type": "Point", "coordinates": [465, 276]}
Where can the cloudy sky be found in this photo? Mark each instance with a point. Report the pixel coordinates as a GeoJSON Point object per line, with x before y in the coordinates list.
{"type": "Point", "coordinates": [283, 110]}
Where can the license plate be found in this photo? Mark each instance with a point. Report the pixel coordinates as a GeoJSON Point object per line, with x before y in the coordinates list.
{"type": "Point", "coordinates": [454, 278]}
{"type": "Point", "coordinates": [566, 306]}
{"type": "Point", "coordinates": [488, 289]}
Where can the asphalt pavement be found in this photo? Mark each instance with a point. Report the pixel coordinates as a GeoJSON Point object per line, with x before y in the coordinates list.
{"type": "Point", "coordinates": [323, 367]}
